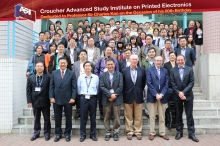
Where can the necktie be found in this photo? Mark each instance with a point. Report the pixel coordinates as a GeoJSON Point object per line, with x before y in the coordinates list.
{"type": "Point", "coordinates": [181, 73]}
{"type": "Point", "coordinates": [62, 74]}
{"type": "Point", "coordinates": [158, 72]}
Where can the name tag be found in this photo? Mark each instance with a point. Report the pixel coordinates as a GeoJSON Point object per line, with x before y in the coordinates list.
{"type": "Point", "coordinates": [199, 36]}
{"type": "Point", "coordinates": [87, 96]}
{"type": "Point", "coordinates": [112, 91]}
{"type": "Point", "coordinates": [38, 89]}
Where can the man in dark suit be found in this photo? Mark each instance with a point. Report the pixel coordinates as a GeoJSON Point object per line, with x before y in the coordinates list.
{"type": "Point", "coordinates": [185, 51]}
{"type": "Point", "coordinates": [79, 70]}
{"type": "Point", "coordinates": [134, 79]}
{"type": "Point", "coordinates": [182, 80]}
{"type": "Point", "coordinates": [126, 62]}
{"type": "Point", "coordinates": [157, 82]}
{"type": "Point", "coordinates": [111, 84]}
{"type": "Point", "coordinates": [101, 43]}
{"type": "Point", "coordinates": [190, 29]}
{"type": "Point", "coordinates": [63, 95]}
{"type": "Point", "coordinates": [38, 97]}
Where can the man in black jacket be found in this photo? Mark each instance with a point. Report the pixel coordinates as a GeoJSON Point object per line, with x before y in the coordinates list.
{"type": "Point", "coordinates": [38, 97]}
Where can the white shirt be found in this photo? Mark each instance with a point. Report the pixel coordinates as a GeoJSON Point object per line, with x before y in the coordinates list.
{"type": "Point", "coordinates": [90, 54]}
{"type": "Point", "coordinates": [128, 63]}
{"type": "Point", "coordinates": [82, 70]}
{"type": "Point", "coordinates": [72, 55]}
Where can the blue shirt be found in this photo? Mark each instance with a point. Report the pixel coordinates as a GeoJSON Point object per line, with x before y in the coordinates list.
{"type": "Point", "coordinates": [88, 85]}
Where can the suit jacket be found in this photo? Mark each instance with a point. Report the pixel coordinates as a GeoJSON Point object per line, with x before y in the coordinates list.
{"type": "Point", "coordinates": [96, 55]}
{"type": "Point", "coordinates": [117, 86]}
{"type": "Point", "coordinates": [76, 51]}
{"type": "Point", "coordinates": [187, 32]}
{"type": "Point", "coordinates": [189, 55]}
{"type": "Point", "coordinates": [41, 98]}
{"type": "Point", "coordinates": [81, 46]}
{"type": "Point", "coordinates": [63, 89]}
{"type": "Point", "coordinates": [101, 47]}
{"type": "Point", "coordinates": [142, 54]}
{"type": "Point", "coordinates": [133, 92]}
{"type": "Point", "coordinates": [52, 63]}
{"type": "Point", "coordinates": [184, 85]}
{"type": "Point", "coordinates": [168, 66]}
{"type": "Point", "coordinates": [153, 83]}
{"type": "Point", "coordinates": [76, 69]}
{"type": "Point", "coordinates": [123, 64]}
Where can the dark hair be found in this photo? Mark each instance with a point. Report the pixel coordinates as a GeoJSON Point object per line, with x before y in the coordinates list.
{"type": "Point", "coordinates": [191, 43]}
{"type": "Point", "coordinates": [109, 59]}
{"type": "Point", "coordinates": [39, 62]}
{"type": "Point", "coordinates": [120, 42]}
{"type": "Point", "coordinates": [52, 44]}
{"type": "Point", "coordinates": [39, 46]}
{"type": "Point", "coordinates": [80, 21]}
{"type": "Point", "coordinates": [88, 26]}
{"type": "Point", "coordinates": [76, 35]}
{"type": "Point", "coordinates": [41, 33]}
{"type": "Point", "coordinates": [111, 39]}
{"type": "Point", "coordinates": [200, 25]}
{"type": "Point", "coordinates": [123, 20]}
{"type": "Point", "coordinates": [102, 23]}
{"type": "Point", "coordinates": [117, 22]}
{"type": "Point", "coordinates": [100, 31]}
{"type": "Point", "coordinates": [156, 29]}
{"type": "Point", "coordinates": [172, 52]}
{"type": "Point", "coordinates": [133, 21]}
{"type": "Point", "coordinates": [128, 44]}
{"type": "Point", "coordinates": [178, 31]}
{"type": "Point", "coordinates": [91, 38]}
{"type": "Point", "coordinates": [62, 58]}
{"type": "Point", "coordinates": [155, 23]}
{"type": "Point", "coordinates": [140, 29]}
{"type": "Point", "coordinates": [151, 48]}
{"type": "Point", "coordinates": [161, 23]}
{"type": "Point", "coordinates": [58, 21]}
{"type": "Point", "coordinates": [127, 50]}
{"type": "Point", "coordinates": [53, 26]}
{"type": "Point", "coordinates": [167, 40]}
{"type": "Point", "coordinates": [79, 28]}
{"type": "Point", "coordinates": [115, 30]}
{"type": "Point", "coordinates": [57, 34]}
{"type": "Point", "coordinates": [162, 29]}
{"type": "Point", "coordinates": [82, 51]}
{"type": "Point", "coordinates": [170, 30]}
{"type": "Point", "coordinates": [86, 20]}
{"type": "Point", "coordinates": [133, 38]}
{"type": "Point", "coordinates": [86, 63]}
{"type": "Point", "coordinates": [95, 25]}
{"type": "Point", "coordinates": [182, 38]}
{"type": "Point", "coordinates": [149, 35]}
{"type": "Point", "coordinates": [60, 43]}
{"type": "Point", "coordinates": [107, 24]}
{"type": "Point", "coordinates": [60, 29]}
{"type": "Point", "coordinates": [111, 19]}
{"type": "Point", "coordinates": [73, 39]}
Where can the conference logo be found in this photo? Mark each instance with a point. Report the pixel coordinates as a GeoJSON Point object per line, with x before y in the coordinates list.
{"type": "Point", "coordinates": [21, 12]}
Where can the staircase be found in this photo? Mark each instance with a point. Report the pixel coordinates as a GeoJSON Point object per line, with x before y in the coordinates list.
{"type": "Point", "coordinates": [206, 118]}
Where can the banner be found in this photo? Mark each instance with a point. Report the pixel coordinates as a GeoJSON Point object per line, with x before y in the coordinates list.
{"type": "Point", "coordinates": [47, 9]}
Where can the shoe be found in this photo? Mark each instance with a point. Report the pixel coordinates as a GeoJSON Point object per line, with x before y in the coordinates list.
{"type": "Point", "coordinates": [76, 116]}
{"type": "Point", "coordinates": [57, 138]}
{"type": "Point", "coordinates": [193, 138]}
{"type": "Point", "coordinates": [129, 137]}
{"type": "Point", "coordinates": [101, 117]}
{"type": "Point", "coordinates": [67, 138]}
{"type": "Point", "coordinates": [165, 137]}
{"type": "Point", "coordinates": [139, 137]}
{"type": "Point", "coordinates": [115, 136]}
{"type": "Point", "coordinates": [82, 139]}
{"type": "Point", "coordinates": [107, 137]}
{"type": "Point", "coordinates": [47, 138]}
{"type": "Point", "coordinates": [52, 117]}
{"type": "Point", "coordinates": [63, 116]}
{"type": "Point", "coordinates": [178, 136]}
{"type": "Point", "coordinates": [34, 137]}
{"type": "Point", "coordinates": [93, 138]}
{"type": "Point", "coordinates": [151, 137]}
{"type": "Point", "coordinates": [147, 115]}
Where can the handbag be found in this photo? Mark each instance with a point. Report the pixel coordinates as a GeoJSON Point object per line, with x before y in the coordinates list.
{"type": "Point", "coordinates": [169, 93]}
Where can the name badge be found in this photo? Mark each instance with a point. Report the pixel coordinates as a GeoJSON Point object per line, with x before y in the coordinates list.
{"type": "Point", "coordinates": [199, 36]}
{"type": "Point", "coordinates": [87, 96]}
{"type": "Point", "coordinates": [105, 70]}
{"type": "Point", "coordinates": [38, 89]}
{"type": "Point", "coordinates": [112, 91]}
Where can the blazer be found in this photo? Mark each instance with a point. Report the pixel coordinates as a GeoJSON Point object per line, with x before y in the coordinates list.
{"type": "Point", "coordinates": [153, 83]}
{"type": "Point", "coordinates": [41, 98]}
{"type": "Point", "coordinates": [184, 85]}
{"type": "Point", "coordinates": [81, 46]}
{"type": "Point", "coordinates": [187, 32]}
{"type": "Point", "coordinates": [63, 89]}
{"type": "Point", "coordinates": [168, 66]}
{"type": "Point", "coordinates": [133, 92]}
{"type": "Point", "coordinates": [76, 69]}
{"type": "Point", "coordinates": [52, 63]}
{"type": "Point", "coordinates": [189, 55]}
{"type": "Point", "coordinates": [123, 64]}
{"type": "Point", "coordinates": [96, 55]}
{"type": "Point", "coordinates": [101, 47]}
{"type": "Point", "coordinates": [76, 51]}
{"type": "Point", "coordinates": [117, 86]}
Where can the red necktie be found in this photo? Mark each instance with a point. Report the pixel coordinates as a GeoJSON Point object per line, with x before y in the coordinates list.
{"type": "Point", "coordinates": [62, 74]}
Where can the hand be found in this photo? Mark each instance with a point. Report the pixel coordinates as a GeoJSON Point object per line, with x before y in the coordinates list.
{"type": "Point", "coordinates": [181, 94]}
{"type": "Point", "coordinates": [29, 104]}
{"type": "Point", "coordinates": [158, 96]}
{"type": "Point", "coordinates": [183, 98]}
{"type": "Point", "coordinates": [113, 96]}
{"type": "Point", "coordinates": [27, 74]}
{"type": "Point", "coordinates": [52, 100]}
{"type": "Point", "coordinates": [72, 101]}
{"type": "Point", "coordinates": [110, 99]}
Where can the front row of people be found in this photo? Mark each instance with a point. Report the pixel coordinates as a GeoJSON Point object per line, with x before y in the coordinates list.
{"type": "Point", "coordinates": [118, 89]}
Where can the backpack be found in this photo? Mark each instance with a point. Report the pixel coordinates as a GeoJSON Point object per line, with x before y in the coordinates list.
{"type": "Point", "coordinates": [170, 115]}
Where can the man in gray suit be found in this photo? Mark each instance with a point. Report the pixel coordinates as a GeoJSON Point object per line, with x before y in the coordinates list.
{"type": "Point", "coordinates": [111, 84]}
{"type": "Point", "coordinates": [79, 70]}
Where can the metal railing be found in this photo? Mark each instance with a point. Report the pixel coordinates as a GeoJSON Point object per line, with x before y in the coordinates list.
{"type": "Point", "coordinates": [16, 40]}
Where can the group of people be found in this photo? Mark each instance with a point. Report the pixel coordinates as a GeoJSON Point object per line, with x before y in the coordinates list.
{"type": "Point", "coordinates": [114, 65]}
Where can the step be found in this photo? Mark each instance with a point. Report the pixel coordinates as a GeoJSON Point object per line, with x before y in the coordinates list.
{"type": "Point", "coordinates": [199, 129]}
{"type": "Point", "coordinates": [199, 96]}
{"type": "Point", "coordinates": [197, 90]}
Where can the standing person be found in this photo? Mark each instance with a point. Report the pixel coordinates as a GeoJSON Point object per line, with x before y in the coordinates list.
{"type": "Point", "coordinates": [190, 29]}
{"type": "Point", "coordinates": [79, 70]}
{"type": "Point", "coordinates": [125, 62]}
{"type": "Point", "coordinates": [62, 38]}
{"type": "Point", "coordinates": [162, 38]}
{"type": "Point", "coordinates": [155, 36]}
{"type": "Point", "coordinates": [111, 84]}
{"type": "Point", "coordinates": [147, 28]}
{"type": "Point", "coordinates": [87, 86]}
{"type": "Point", "coordinates": [42, 43]}
{"type": "Point", "coordinates": [157, 83]}
{"type": "Point", "coordinates": [191, 44]}
{"type": "Point", "coordinates": [126, 39]}
{"type": "Point", "coordinates": [185, 51]}
{"type": "Point", "coordinates": [58, 24]}
{"type": "Point", "coordinates": [170, 35]}
{"type": "Point", "coordinates": [134, 46]}
{"type": "Point", "coordinates": [199, 38]}
{"type": "Point", "coordinates": [108, 34]}
{"type": "Point", "coordinates": [101, 43]}
{"type": "Point", "coordinates": [69, 31]}
{"type": "Point", "coordinates": [120, 49]}
{"type": "Point", "coordinates": [84, 44]}
{"type": "Point", "coordinates": [52, 51]}
{"type": "Point", "coordinates": [142, 40]}
{"type": "Point", "coordinates": [112, 24]}
{"type": "Point", "coordinates": [38, 98]}
{"type": "Point", "coordinates": [52, 30]}
{"type": "Point", "coordinates": [166, 50]}
{"type": "Point", "coordinates": [133, 29]}
{"type": "Point", "coordinates": [182, 81]}
{"type": "Point", "coordinates": [134, 82]}
{"type": "Point", "coordinates": [123, 24]}
{"type": "Point", "coordinates": [62, 94]}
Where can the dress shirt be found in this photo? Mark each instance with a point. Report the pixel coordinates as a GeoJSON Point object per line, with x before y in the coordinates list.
{"type": "Point", "coordinates": [151, 62]}
{"type": "Point", "coordinates": [181, 71]}
{"type": "Point", "coordinates": [183, 51]}
{"type": "Point", "coordinates": [162, 42]}
{"type": "Point", "coordinates": [91, 83]}
{"type": "Point", "coordinates": [133, 74]}
{"type": "Point", "coordinates": [72, 55]}
{"type": "Point", "coordinates": [128, 63]}
{"type": "Point", "coordinates": [112, 28]}
{"type": "Point", "coordinates": [90, 54]}
{"type": "Point", "coordinates": [166, 55]}
{"type": "Point", "coordinates": [82, 70]}
{"type": "Point", "coordinates": [107, 36]}
{"type": "Point", "coordinates": [111, 77]}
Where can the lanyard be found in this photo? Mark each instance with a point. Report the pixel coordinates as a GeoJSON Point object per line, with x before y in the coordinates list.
{"type": "Point", "coordinates": [88, 84]}
{"type": "Point", "coordinates": [40, 81]}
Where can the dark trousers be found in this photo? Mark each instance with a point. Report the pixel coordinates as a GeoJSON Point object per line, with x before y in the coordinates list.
{"type": "Point", "coordinates": [78, 104]}
{"type": "Point", "coordinates": [88, 105]}
{"type": "Point", "coordinates": [188, 105]}
{"type": "Point", "coordinates": [37, 117]}
{"type": "Point", "coordinates": [100, 101]}
{"type": "Point", "coordinates": [58, 119]}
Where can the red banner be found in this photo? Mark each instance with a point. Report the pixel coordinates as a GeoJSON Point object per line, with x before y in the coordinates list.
{"type": "Point", "coordinates": [47, 9]}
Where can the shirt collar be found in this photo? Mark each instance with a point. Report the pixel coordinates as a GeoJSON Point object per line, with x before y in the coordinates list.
{"type": "Point", "coordinates": [182, 67]}
{"type": "Point", "coordinates": [135, 68]}
{"type": "Point", "coordinates": [157, 68]}
{"type": "Point", "coordinates": [183, 48]}
{"type": "Point", "coordinates": [64, 71]}
{"type": "Point", "coordinates": [111, 73]}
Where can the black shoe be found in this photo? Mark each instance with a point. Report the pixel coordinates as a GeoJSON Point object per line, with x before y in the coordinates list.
{"type": "Point", "coordinates": [115, 136]}
{"type": "Point", "coordinates": [57, 138]}
{"type": "Point", "coordinates": [107, 137]}
{"type": "Point", "coordinates": [67, 138]}
{"type": "Point", "coordinates": [76, 116]}
{"type": "Point", "coordinates": [101, 117]}
{"type": "Point", "coordinates": [82, 139]}
{"type": "Point", "coordinates": [178, 136]}
{"type": "Point", "coordinates": [93, 138]}
{"type": "Point", "coordinates": [193, 138]}
{"type": "Point", "coordinates": [47, 138]}
{"type": "Point", "coordinates": [34, 137]}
